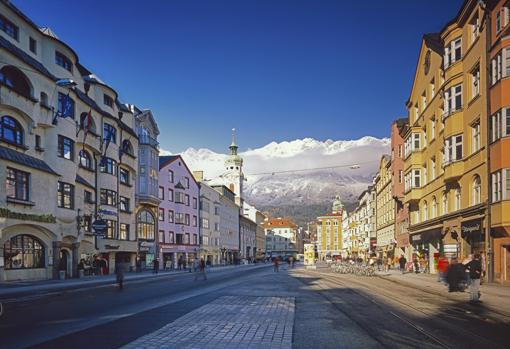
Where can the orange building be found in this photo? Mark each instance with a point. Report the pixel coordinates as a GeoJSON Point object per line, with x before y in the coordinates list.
{"type": "Point", "coordinates": [499, 136]}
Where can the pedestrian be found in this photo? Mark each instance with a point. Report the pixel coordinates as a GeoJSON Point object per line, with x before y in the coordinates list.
{"type": "Point", "coordinates": [475, 272]}
{"type": "Point", "coordinates": [201, 270]}
{"type": "Point", "coordinates": [179, 263]}
{"type": "Point", "coordinates": [402, 263]}
{"type": "Point", "coordinates": [455, 276]}
{"type": "Point", "coordinates": [276, 263]}
{"type": "Point", "coordinates": [388, 264]}
{"type": "Point", "coordinates": [465, 262]}
{"type": "Point", "coordinates": [155, 263]}
{"type": "Point", "coordinates": [416, 265]}
{"type": "Point", "coordinates": [119, 274]}
{"type": "Point", "coordinates": [379, 264]}
{"type": "Point", "coordinates": [442, 269]}
{"type": "Point", "coordinates": [195, 264]}
{"type": "Point", "coordinates": [138, 264]}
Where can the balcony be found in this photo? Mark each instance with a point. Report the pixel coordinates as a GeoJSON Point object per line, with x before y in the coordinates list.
{"type": "Point", "coordinates": [453, 170]}
{"type": "Point", "coordinates": [447, 113]}
{"type": "Point", "coordinates": [414, 195]}
{"type": "Point", "coordinates": [148, 140]}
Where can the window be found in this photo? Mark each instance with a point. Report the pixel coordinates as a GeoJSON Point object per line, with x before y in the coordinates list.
{"type": "Point", "coordinates": [65, 148]}
{"type": "Point", "coordinates": [477, 189]}
{"type": "Point", "coordinates": [11, 131]}
{"type": "Point", "coordinates": [216, 210]}
{"type": "Point", "coordinates": [111, 228]}
{"type": "Point", "coordinates": [23, 252]}
{"type": "Point", "coordinates": [432, 89]}
{"type": "Point", "coordinates": [186, 198]}
{"type": "Point", "coordinates": [108, 197]}
{"type": "Point", "coordinates": [432, 128]}
{"type": "Point", "coordinates": [452, 100]}
{"type": "Point", "coordinates": [186, 181]}
{"type": "Point", "coordinates": [8, 27]}
{"type": "Point", "coordinates": [497, 187]}
{"type": "Point", "coordinates": [216, 226]}
{"type": "Point", "coordinates": [453, 149]}
{"type": "Point", "coordinates": [433, 213]}
{"type": "Point", "coordinates": [170, 195]}
{"type": "Point", "coordinates": [65, 106]}
{"type": "Point", "coordinates": [161, 194]}
{"type": "Point", "coordinates": [432, 168]}
{"type": "Point", "coordinates": [475, 137]}
{"type": "Point", "coordinates": [186, 238]}
{"type": "Point", "coordinates": [161, 216]}
{"type": "Point", "coordinates": [85, 160]}
{"type": "Point", "coordinates": [108, 165]}
{"type": "Point", "coordinates": [423, 101]}
{"type": "Point", "coordinates": [170, 216]}
{"type": "Point", "coordinates": [179, 197]}
{"type": "Point", "coordinates": [107, 100]}
{"type": "Point", "coordinates": [400, 176]}
{"type": "Point", "coordinates": [179, 239]}
{"type": "Point", "coordinates": [87, 197]}
{"type": "Point", "coordinates": [195, 221]}
{"type": "Point", "coordinates": [179, 218]}
{"type": "Point", "coordinates": [499, 25]}
{"type": "Point", "coordinates": [145, 225]}
{"type": "Point", "coordinates": [187, 219]}
{"type": "Point", "coordinates": [32, 45]}
{"type": "Point", "coordinates": [452, 52]}
{"type": "Point", "coordinates": [17, 184]}
{"type": "Point", "coordinates": [171, 237]}
{"type": "Point", "coordinates": [43, 99]}
{"type": "Point", "coordinates": [127, 148]}
{"type": "Point", "coordinates": [87, 223]}
{"type": "Point", "coordinates": [457, 199]}
{"type": "Point", "coordinates": [124, 231]}
{"type": "Point", "coordinates": [65, 195]}
{"type": "Point", "coordinates": [124, 204]}
{"type": "Point", "coordinates": [170, 176]}
{"type": "Point", "coordinates": [475, 82]}
{"type": "Point", "coordinates": [63, 61]}
{"type": "Point", "coordinates": [204, 223]}
{"type": "Point", "coordinates": [195, 203]}
{"type": "Point", "coordinates": [109, 133]}
{"type": "Point", "coordinates": [475, 28]}
{"type": "Point", "coordinates": [195, 239]}
{"type": "Point", "coordinates": [124, 176]}
{"type": "Point", "coordinates": [500, 124]}
{"type": "Point", "coordinates": [444, 209]}
{"type": "Point", "coordinates": [425, 211]}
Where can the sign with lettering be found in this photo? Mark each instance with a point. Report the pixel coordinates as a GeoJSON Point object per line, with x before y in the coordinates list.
{"type": "Point", "coordinates": [99, 226]}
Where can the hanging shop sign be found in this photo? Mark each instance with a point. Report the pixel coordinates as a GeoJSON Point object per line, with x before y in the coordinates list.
{"type": "Point", "coordinates": [472, 230]}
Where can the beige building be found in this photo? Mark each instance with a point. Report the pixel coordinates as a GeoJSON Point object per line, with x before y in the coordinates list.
{"type": "Point", "coordinates": [55, 180]}
{"type": "Point", "coordinates": [258, 217]}
{"type": "Point", "coordinates": [385, 212]}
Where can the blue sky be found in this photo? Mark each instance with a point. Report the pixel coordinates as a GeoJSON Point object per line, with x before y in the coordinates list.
{"type": "Point", "coordinates": [274, 69]}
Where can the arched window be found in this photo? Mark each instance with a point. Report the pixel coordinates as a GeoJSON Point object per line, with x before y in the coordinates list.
{"type": "Point", "coordinates": [17, 81]}
{"type": "Point", "coordinates": [433, 213]}
{"type": "Point", "coordinates": [85, 159]}
{"type": "Point", "coordinates": [87, 122]}
{"type": "Point", "coordinates": [444, 209]}
{"type": "Point", "coordinates": [145, 225]}
{"type": "Point", "coordinates": [457, 199]}
{"type": "Point", "coordinates": [11, 130]}
{"type": "Point", "coordinates": [23, 252]}
{"type": "Point", "coordinates": [477, 190]}
{"type": "Point", "coordinates": [127, 147]}
{"type": "Point", "coordinates": [425, 211]}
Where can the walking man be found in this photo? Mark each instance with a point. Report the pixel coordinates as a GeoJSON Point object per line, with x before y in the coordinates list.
{"type": "Point", "coordinates": [201, 270]}
{"type": "Point", "coordinates": [119, 273]}
{"type": "Point", "coordinates": [402, 263]}
{"type": "Point", "coordinates": [276, 263]}
{"type": "Point", "coordinates": [156, 266]}
{"type": "Point", "coordinates": [475, 273]}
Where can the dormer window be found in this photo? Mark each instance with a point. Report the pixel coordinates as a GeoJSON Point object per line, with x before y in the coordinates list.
{"type": "Point", "coordinates": [8, 27]}
{"type": "Point", "coordinates": [63, 61]}
{"type": "Point", "coordinates": [108, 100]}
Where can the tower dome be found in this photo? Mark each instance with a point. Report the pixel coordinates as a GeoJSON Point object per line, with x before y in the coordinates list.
{"type": "Point", "coordinates": [337, 204]}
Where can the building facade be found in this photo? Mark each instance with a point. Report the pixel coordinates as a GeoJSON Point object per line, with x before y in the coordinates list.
{"type": "Point", "coordinates": [69, 153]}
{"type": "Point", "coordinates": [229, 225]}
{"type": "Point", "coordinates": [385, 212]}
{"type": "Point", "coordinates": [247, 238]}
{"type": "Point", "coordinates": [147, 187]}
{"type": "Point", "coordinates": [499, 139]}
{"type": "Point", "coordinates": [258, 217]}
{"type": "Point", "coordinates": [281, 237]}
{"type": "Point", "coordinates": [210, 218]}
{"type": "Point", "coordinates": [445, 152]}
{"type": "Point", "coordinates": [178, 234]}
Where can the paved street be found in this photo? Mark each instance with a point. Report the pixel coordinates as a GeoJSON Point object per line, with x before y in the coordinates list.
{"type": "Point", "coordinates": [253, 307]}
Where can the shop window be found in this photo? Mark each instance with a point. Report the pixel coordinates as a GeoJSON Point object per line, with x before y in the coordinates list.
{"type": "Point", "coordinates": [23, 252]}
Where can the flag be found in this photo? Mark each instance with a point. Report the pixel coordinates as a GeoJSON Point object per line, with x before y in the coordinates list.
{"type": "Point", "coordinates": [66, 106]}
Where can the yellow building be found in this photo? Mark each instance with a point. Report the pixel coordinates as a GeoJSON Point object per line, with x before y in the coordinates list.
{"type": "Point", "coordinates": [445, 169]}
{"type": "Point", "coordinates": [329, 232]}
{"type": "Point", "coordinates": [385, 212]}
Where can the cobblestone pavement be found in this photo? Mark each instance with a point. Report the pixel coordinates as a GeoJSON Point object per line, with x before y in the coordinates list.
{"type": "Point", "coordinates": [228, 322]}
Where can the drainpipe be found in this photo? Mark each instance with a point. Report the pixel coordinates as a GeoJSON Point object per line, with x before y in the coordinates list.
{"type": "Point", "coordinates": [489, 241]}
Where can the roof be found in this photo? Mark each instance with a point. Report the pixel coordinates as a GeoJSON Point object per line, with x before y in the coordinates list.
{"type": "Point", "coordinates": [49, 32]}
{"type": "Point", "coordinates": [279, 223]}
{"type": "Point", "coordinates": [32, 62]}
{"type": "Point", "coordinates": [400, 122]}
{"type": "Point", "coordinates": [81, 180]}
{"type": "Point", "coordinates": [433, 41]}
{"type": "Point", "coordinates": [25, 160]}
{"type": "Point", "coordinates": [165, 160]}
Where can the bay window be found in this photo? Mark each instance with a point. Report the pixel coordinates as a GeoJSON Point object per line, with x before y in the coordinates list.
{"type": "Point", "coordinates": [475, 137]}
{"type": "Point", "coordinates": [453, 149]}
{"type": "Point", "coordinates": [452, 100]}
{"type": "Point", "coordinates": [453, 52]}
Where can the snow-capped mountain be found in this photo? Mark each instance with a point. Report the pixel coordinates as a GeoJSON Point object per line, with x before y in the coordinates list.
{"type": "Point", "coordinates": [300, 172]}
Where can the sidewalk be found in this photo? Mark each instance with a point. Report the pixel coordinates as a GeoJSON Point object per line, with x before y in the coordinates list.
{"type": "Point", "coordinates": [494, 295]}
{"type": "Point", "coordinates": [13, 290]}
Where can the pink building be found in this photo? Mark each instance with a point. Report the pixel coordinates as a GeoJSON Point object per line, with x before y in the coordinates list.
{"type": "Point", "coordinates": [398, 128]}
{"type": "Point", "coordinates": [178, 236]}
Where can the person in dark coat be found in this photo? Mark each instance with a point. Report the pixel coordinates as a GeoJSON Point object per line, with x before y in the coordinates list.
{"type": "Point", "coordinates": [455, 276]}
{"type": "Point", "coordinates": [156, 266]}
{"type": "Point", "coordinates": [402, 263]}
{"type": "Point", "coordinates": [475, 272]}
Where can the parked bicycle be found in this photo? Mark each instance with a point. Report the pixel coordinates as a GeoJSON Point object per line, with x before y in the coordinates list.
{"type": "Point", "coordinates": [355, 269]}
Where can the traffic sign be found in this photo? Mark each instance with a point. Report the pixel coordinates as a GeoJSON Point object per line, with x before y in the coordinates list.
{"type": "Point", "coordinates": [99, 226]}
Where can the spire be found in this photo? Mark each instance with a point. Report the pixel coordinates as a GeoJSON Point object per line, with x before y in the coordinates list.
{"type": "Point", "coordinates": [233, 146]}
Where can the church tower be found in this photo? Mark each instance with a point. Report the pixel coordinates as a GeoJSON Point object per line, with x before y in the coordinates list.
{"type": "Point", "coordinates": [233, 175]}
{"type": "Point", "coordinates": [337, 205]}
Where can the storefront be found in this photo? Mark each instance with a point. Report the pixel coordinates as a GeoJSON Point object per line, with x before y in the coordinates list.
{"type": "Point", "coordinates": [110, 249]}
{"type": "Point", "coordinates": [146, 253]}
{"type": "Point", "coordinates": [501, 236]}
{"type": "Point", "coordinates": [473, 236]}
{"type": "Point", "coordinates": [427, 246]}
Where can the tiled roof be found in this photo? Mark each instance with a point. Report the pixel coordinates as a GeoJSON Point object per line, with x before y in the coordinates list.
{"type": "Point", "coordinates": [279, 223]}
{"type": "Point", "coordinates": [81, 180]}
{"type": "Point", "coordinates": [26, 58]}
{"type": "Point", "coordinates": [25, 160]}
